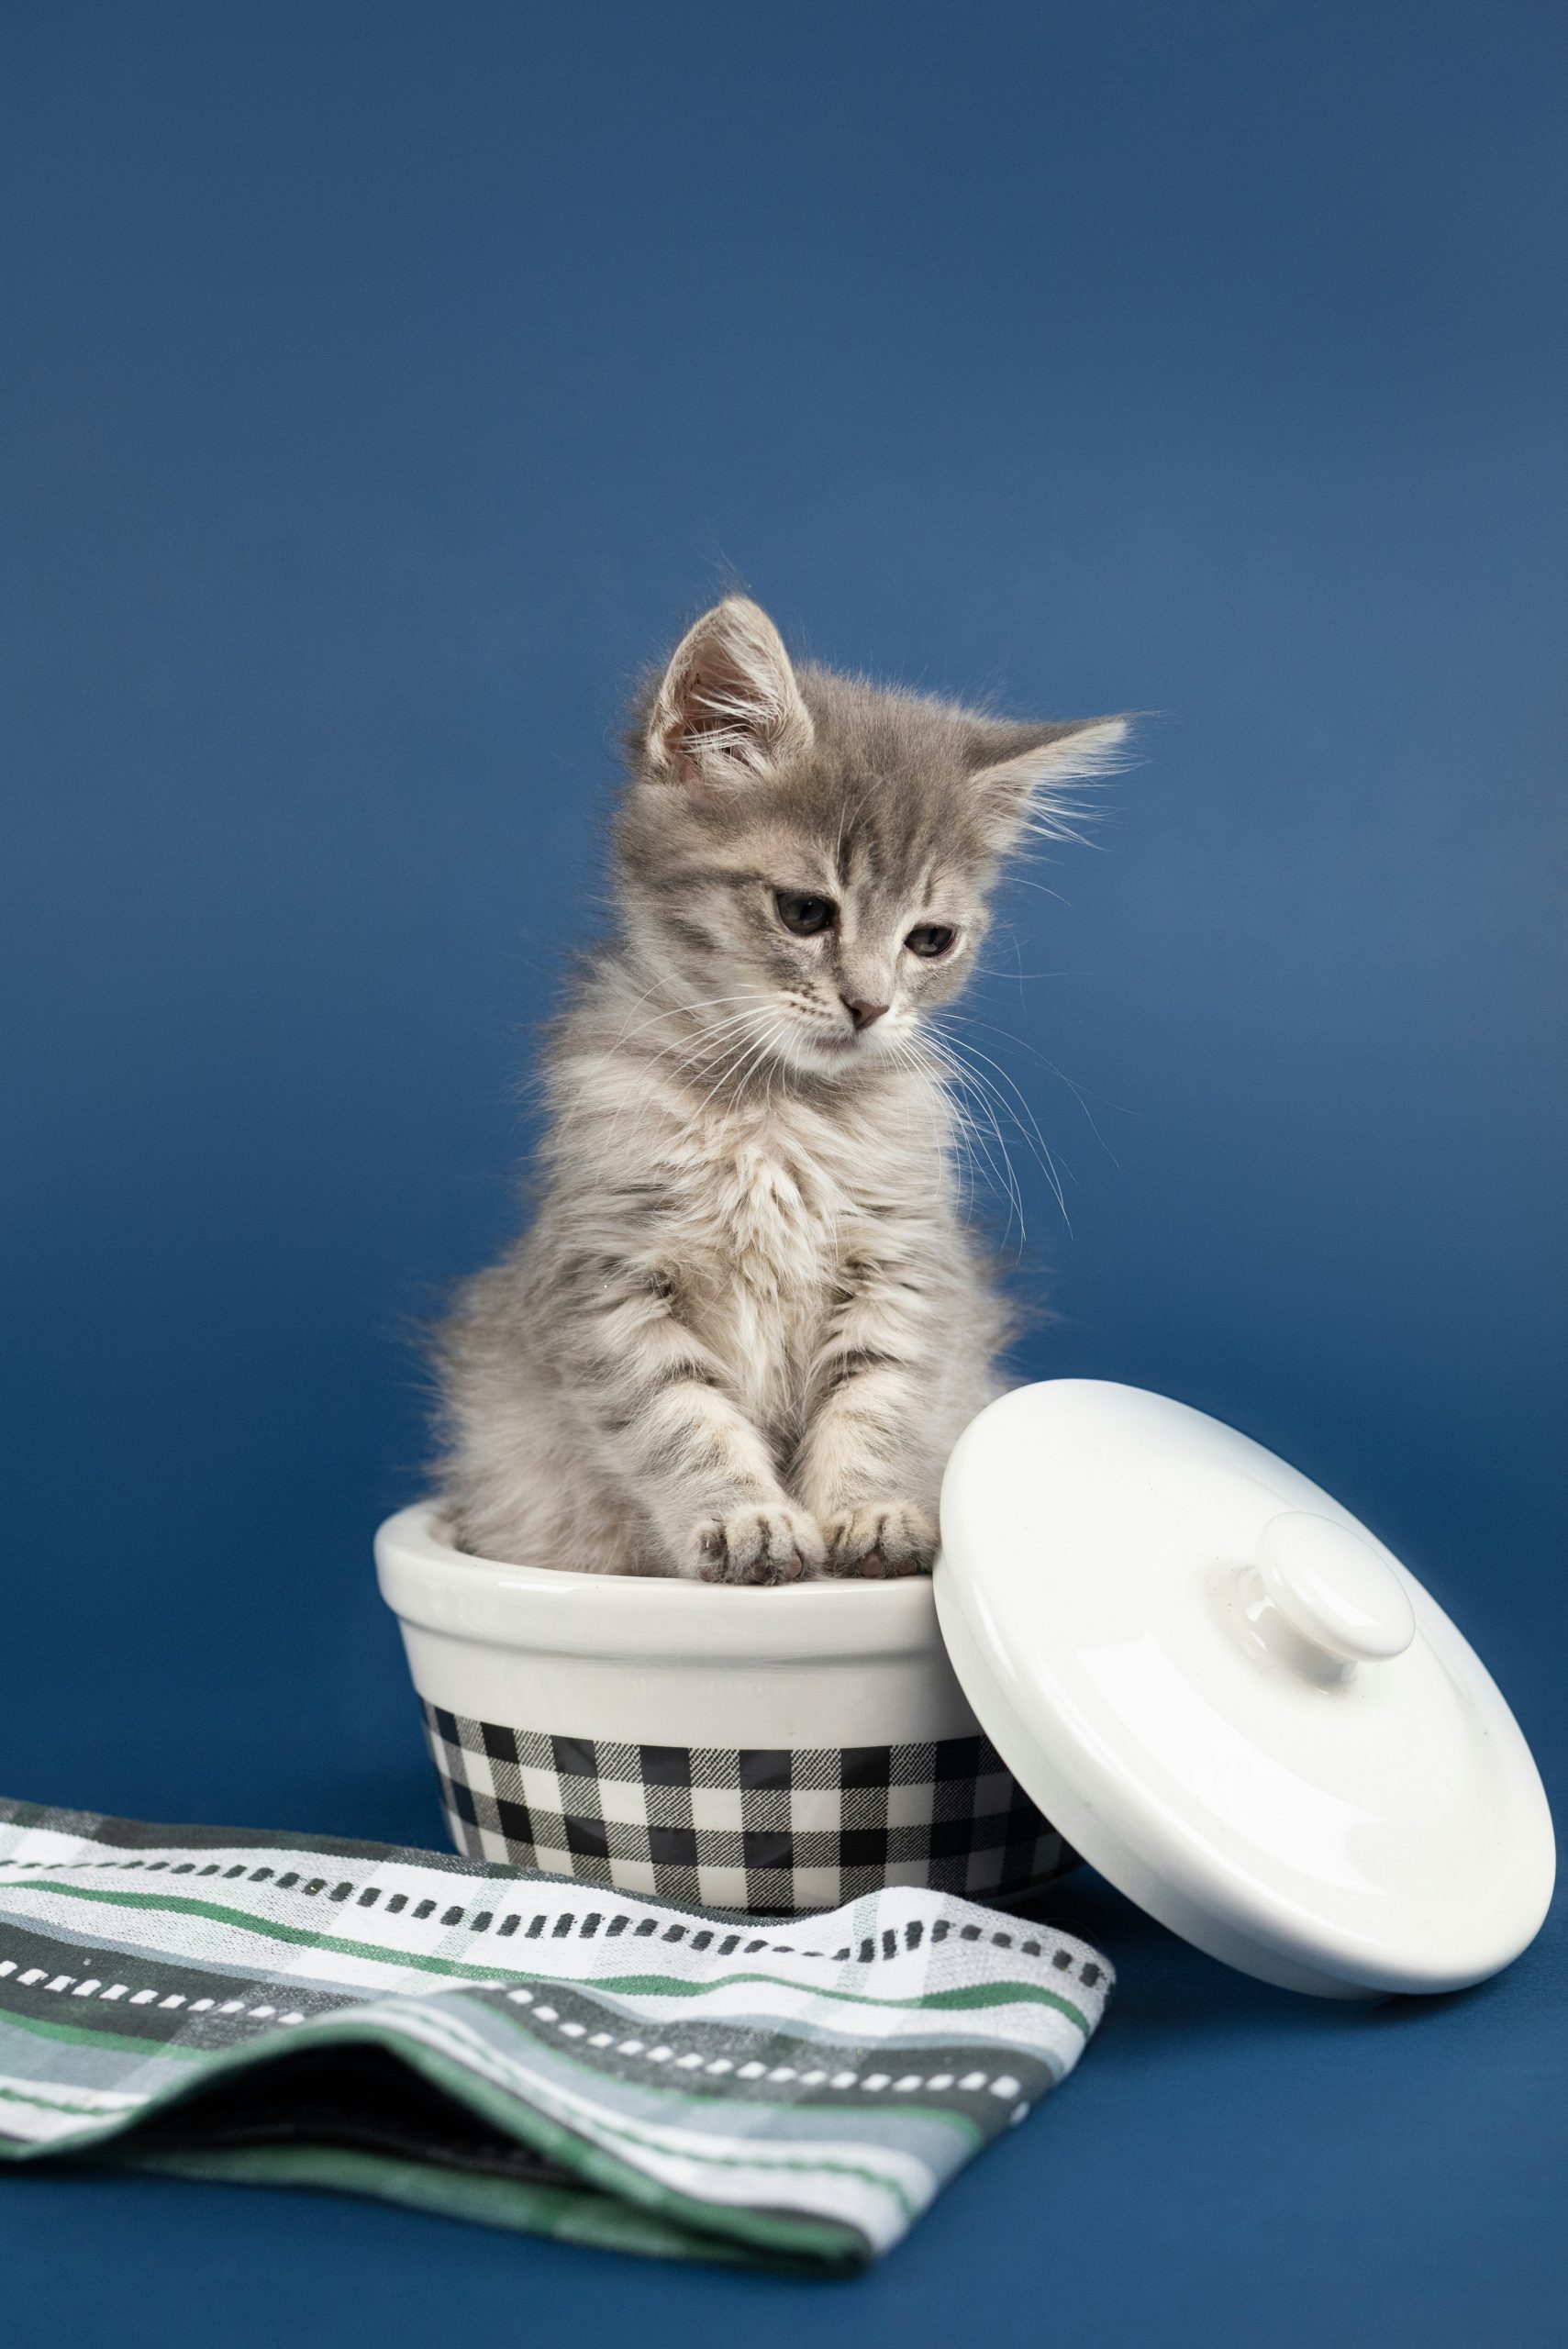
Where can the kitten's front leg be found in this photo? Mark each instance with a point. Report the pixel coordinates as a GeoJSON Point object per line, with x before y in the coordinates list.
{"type": "Point", "coordinates": [683, 1449]}
{"type": "Point", "coordinates": [856, 1464]}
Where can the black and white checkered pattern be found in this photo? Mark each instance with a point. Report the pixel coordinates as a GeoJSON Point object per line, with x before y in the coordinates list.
{"type": "Point", "coordinates": [765, 1831]}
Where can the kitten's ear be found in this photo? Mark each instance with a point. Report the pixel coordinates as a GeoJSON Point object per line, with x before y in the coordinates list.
{"type": "Point", "coordinates": [728, 707]}
{"type": "Point", "coordinates": [1024, 773]}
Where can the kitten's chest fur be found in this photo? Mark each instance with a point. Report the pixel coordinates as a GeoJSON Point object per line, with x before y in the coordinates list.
{"type": "Point", "coordinates": [773, 1213]}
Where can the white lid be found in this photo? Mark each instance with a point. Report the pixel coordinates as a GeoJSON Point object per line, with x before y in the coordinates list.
{"type": "Point", "coordinates": [1237, 1704]}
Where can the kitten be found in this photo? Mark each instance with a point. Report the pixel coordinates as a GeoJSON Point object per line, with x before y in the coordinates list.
{"type": "Point", "coordinates": [748, 1322]}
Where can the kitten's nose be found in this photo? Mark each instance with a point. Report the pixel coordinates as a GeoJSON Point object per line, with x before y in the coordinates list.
{"type": "Point", "coordinates": [864, 1015]}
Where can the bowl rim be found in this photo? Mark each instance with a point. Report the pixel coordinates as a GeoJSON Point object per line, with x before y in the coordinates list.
{"type": "Point", "coordinates": [428, 1583]}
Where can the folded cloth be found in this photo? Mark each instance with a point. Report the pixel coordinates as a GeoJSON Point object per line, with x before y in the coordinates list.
{"type": "Point", "coordinates": [515, 2047]}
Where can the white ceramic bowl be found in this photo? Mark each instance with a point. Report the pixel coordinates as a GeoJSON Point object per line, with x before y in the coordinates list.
{"type": "Point", "coordinates": [772, 1750]}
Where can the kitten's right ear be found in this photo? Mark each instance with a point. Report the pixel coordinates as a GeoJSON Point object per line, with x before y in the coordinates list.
{"type": "Point", "coordinates": [728, 708]}
{"type": "Point", "coordinates": [1022, 774]}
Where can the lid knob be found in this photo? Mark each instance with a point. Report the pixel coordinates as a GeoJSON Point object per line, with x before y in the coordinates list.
{"type": "Point", "coordinates": [1333, 1589]}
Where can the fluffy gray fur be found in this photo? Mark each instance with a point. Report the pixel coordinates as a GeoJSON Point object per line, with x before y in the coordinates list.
{"type": "Point", "coordinates": [748, 1321]}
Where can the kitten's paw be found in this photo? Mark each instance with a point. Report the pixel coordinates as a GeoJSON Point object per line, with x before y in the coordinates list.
{"type": "Point", "coordinates": [880, 1538]}
{"type": "Point", "coordinates": [775, 1544]}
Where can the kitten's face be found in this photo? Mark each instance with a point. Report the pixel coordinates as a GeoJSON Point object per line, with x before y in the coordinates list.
{"type": "Point", "coordinates": [813, 936]}
{"type": "Point", "coordinates": [805, 860]}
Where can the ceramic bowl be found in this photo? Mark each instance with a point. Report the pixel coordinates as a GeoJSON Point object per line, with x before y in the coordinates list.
{"type": "Point", "coordinates": [768, 1751]}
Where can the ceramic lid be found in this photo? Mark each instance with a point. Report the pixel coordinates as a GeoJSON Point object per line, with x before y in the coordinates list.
{"type": "Point", "coordinates": [1233, 1700]}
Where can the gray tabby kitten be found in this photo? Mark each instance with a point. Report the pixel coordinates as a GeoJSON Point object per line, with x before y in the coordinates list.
{"type": "Point", "coordinates": [748, 1322]}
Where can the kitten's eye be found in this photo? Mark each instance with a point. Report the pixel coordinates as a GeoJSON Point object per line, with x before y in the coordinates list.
{"type": "Point", "coordinates": [930, 938]}
{"type": "Point", "coordinates": [806, 916]}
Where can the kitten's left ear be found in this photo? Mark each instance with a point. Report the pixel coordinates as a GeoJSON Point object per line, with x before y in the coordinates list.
{"type": "Point", "coordinates": [1022, 772]}
{"type": "Point", "coordinates": [728, 708]}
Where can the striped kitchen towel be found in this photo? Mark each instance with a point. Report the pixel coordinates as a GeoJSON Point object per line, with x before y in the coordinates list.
{"type": "Point", "coordinates": [515, 2047]}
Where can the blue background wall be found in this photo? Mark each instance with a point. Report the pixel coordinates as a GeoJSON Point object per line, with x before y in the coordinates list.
{"type": "Point", "coordinates": [383, 385]}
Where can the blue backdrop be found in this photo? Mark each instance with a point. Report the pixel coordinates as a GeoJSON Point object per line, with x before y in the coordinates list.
{"type": "Point", "coordinates": [383, 385]}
